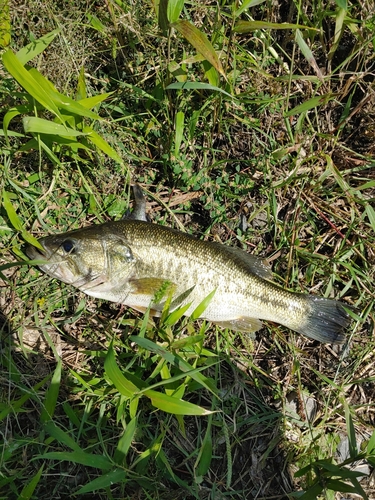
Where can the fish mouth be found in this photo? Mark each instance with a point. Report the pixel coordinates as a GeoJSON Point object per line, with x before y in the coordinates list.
{"type": "Point", "coordinates": [35, 253]}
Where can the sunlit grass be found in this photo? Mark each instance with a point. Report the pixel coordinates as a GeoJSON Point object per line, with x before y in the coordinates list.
{"type": "Point", "coordinates": [281, 167]}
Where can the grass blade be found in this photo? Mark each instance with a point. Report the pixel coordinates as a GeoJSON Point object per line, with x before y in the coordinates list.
{"type": "Point", "coordinates": [33, 49]}
{"type": "Point", "coordinates": [52, 394]}
{"type": "Point", "coordinates": [249, 26]}
{"type": "Point", "coordinates": [176, 361]}
{"type": "Point", "coordinates": [113, 372]}
{"type": "Point", "coordinates": [61, 436]}
{"type": "Point", "coordinates": [28, 490]}
{"type": "Point", "coordinates": [125, 442]}
{"type": "Point", "coordinates": [197, 86]}
{"type": "Point", "coordinates": [26, 80]}
{"type": "Point", "coordinates": [310, 104]}
{"type": "Point", "coordinates": [104, 481]}
{"type": "Point", "coordinates": [102, 145]}
{"type": "Point", "coordinates": [173, 405]}
{"type": "Point", "coordinates": [37, 125]}
{"type": "Point", "coordinates": [78, 457]}
{"type": "Point", "coordinates": [200, 42]}
{"type": "Point", "coordinates": [174, 10]}
{"type": "Point", "coordinates": [199, 310]}
{"type": "Point", "coordinates": [5, 24]}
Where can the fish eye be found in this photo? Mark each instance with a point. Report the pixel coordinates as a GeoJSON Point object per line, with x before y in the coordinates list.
{"type": "Point", "coordinates": [68, 246]}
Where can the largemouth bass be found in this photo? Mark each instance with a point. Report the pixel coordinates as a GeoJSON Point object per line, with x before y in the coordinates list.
{"type": "Point", "coordinates": [129, 261]}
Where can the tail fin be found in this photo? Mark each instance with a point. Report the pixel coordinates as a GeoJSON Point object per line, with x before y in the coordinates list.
{"type": "Point", "coordinates": [326, 320]}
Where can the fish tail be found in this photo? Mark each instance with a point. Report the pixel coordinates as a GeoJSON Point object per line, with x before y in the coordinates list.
{"type": "Point", "coordinates": [326, 320]}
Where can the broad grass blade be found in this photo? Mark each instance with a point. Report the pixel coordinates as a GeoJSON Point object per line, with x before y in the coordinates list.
{"type": "Point", "coordinates": [11, 213]}
{"type": "Point", "coordinates": [197, 86]}
{"type": "Point", "coordinates": [79, 457]}
{"type": "Point", "coordinates": [173, 405]}
{"type": "Point", "coordinates": [247, 4]}
{"type": "Point", "coordinates": [62, 101]}
{"type": "Point", "coordinates": [104, 481]}
{"type": "Point", "coordinates": [113, 372]}
{"type": "Point", "coordinates": [249, 26]}
{"type": "Point", "coordinates": [179, 131]}
{"type": "Point", "coordinates": [29, 489]}
{"type": "Point", "coordinates": [52, 394]}
{"type": "Point", "coordinates": [36, 125]}
{"type": "Point", "coordinates": [28, 82]}
{"type": "Point", "coordinates": [33, 49]}
{"type": "Point", "coordinates": [125, 442]}
{"type": "Point", "coordinates": [5, 24]}
{"type": "Point", "coordinates": [16, 406]}
{"type": "Point", "coordinates": [101, 144]}
{"type": "Point", "coordinates": [306, 51]}
{"type": "Point", "coordinates": [174, 10]}
{"type": "Point", "coordinates": [90, 102]}
{"type": "Point", "coordinates": [61, 436]}
{"type": "Point", "coordinates": [310, 104]}
{"type": "Point", "coordinates": [199, 310]}
{"type": "Point", "coordinates": [200, 42]}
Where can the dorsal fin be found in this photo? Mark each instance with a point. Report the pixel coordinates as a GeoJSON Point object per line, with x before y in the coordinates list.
{"type": "Point", "coordinates": [255, 265]}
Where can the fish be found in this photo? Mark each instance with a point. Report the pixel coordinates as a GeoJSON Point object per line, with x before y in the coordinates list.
{"type": "Point", "coordinates": [131, 261]}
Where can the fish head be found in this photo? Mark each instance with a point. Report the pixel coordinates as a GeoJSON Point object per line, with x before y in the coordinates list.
{"type": "Point", "coordinates": [98, 263]}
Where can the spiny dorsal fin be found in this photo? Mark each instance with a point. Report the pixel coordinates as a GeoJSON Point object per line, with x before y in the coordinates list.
{"type": "Point", "coordinates": [256, 265]}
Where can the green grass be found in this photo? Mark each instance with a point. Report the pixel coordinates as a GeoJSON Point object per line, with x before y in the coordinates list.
{"type": "Point", "coordinates": [256, 135]}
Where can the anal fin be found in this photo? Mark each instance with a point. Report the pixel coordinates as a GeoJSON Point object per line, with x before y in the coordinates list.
{"type": "Point", "coordinates": [242, 324]}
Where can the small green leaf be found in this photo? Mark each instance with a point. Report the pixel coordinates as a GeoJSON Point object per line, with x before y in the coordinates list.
{"type": "Point", "coordinates": [197, 86]}
{"type": "Point", "coordinates": [200, 42]}
{"type": "Point", "coordinates": [33, 49]}
{"type": "Point", "coordinates": [26, 80]}
{"type": "Point", "coordinates": [249, 26]}
{"type": "Point", "coordinates": [101, 144]}
{"type": "Point", "coordinates": [37, 125]}
{"type": "Point", "coordinates": [28, 490]}
{"type": "Point", "coordinates": [105, 481]}
{"type": "Point", "coordinates": [174, 10]}
{"type": "Point", "coordinates": [12, 214]}
{"type": "Point", "coordinates": [125, 442]}
{"type": "Point", "coordinates": [199, 310]}
{"type": "Point", "coordinates": [60, 435]}
{"type": "Point", "coordinates": [310, 104]}
{"type": "Point", "coordinates": [78, 457]}
{"type": "Point", "coordinates": [113, 372]}
{"type": "Point", "coordinates": [52, 394]}
{"type": "Point", "coordinates": [179, 131]}
{"type": "Point", "coordinates": [170, 404]}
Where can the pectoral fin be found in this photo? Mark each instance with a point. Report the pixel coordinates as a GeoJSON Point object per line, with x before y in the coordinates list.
{"type": "Point", "coordinates": [150, 286]}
